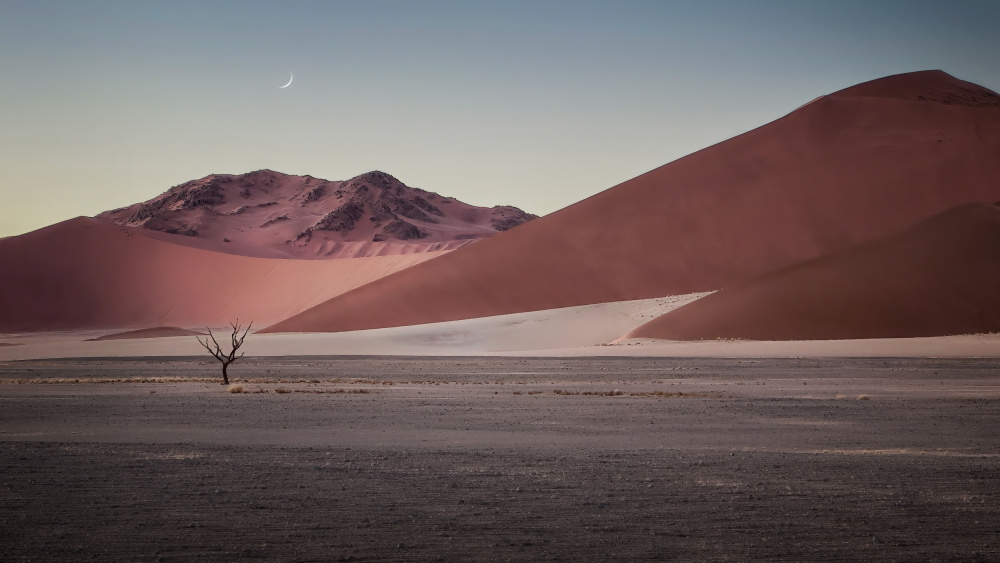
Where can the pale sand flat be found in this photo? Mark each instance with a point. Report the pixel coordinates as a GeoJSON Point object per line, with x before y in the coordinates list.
{"type": "Point", "coordinates": [570, 327]}
{"type": "Point", "coordinates": [589, 330]}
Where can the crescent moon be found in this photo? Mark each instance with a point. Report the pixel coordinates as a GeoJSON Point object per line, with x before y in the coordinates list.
{"type": "Point", "coordinates": [289, 81]}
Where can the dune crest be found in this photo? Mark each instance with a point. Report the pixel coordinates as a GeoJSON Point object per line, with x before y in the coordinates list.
{"type": "Point", "coordinates": [925, 86]}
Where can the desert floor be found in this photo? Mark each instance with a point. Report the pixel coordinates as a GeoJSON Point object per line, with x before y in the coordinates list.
{"type": "Point", "coordinates": [405, 458]}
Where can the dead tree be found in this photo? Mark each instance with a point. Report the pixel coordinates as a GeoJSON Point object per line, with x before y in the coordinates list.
{"type": "Point", "coordinates": [223, 357]}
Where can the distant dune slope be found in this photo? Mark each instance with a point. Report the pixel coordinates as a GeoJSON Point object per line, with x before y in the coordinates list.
{"type": "Point", "coordinates": [270, 214]}
{"type": "Point", "coordinates": [152, 332]}
{"type": "Point", "coordinates": [85, 273]}
{"type": "Point", "coordinates": [849, 167]}
{"type": "Point", "coordinates": [941, 277]}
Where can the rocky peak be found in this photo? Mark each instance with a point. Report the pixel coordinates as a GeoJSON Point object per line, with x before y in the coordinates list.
{"type": "Point", "coordinates": [375, 178]}
{"type": "Point", "coordinates": [506, 217]}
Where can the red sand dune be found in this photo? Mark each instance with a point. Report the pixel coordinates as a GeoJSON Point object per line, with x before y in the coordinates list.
{"type": "Point", "coordinates": [154, 332]}
{"type": "Point", "coordinates": [85, 273]}
{"type": "Point", "coordinates": [274, 215]}
{"type": "Point", "coordinates": [847, 168]}
{"type": "Point", "coordinates": [937, 278]}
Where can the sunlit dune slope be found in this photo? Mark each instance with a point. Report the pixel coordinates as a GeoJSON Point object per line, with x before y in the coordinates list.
{"type": "Point", "coordinates": [847, 168]}
{"type": "Point", "coordinates": [938, 278]}
{"type": "Point", "coordinates": [85, 273]}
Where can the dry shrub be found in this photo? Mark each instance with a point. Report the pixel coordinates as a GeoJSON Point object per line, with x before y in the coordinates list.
{"type": "Point", "coordinates": [65, 380]}
{"type": "Point", "coordinates": [617, 392]}
{"type": "Point", "coordinates": [236, 388]}
{"type": "Point", "coordinates": [669, 394]}
{"type": "Point", "coordinates": [840, 397]}
{"type": "Point", "coordinates": [335, 391]}
{"type": "Point", "coordinates": [613, 393]}
{"type": "Point", "coordinates": [361, 380]}
{"type": "Point", "coordinates": [863, 397]}
{"type": "Point", "coordinates": [290, 380]}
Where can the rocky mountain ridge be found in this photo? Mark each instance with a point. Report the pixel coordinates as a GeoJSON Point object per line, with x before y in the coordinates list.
{"type": "Point", "coordinates": [269, 213]}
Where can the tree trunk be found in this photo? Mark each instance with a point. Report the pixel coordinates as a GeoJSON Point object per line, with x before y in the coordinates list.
{"type": "Point", "coordinates": [225, 377]}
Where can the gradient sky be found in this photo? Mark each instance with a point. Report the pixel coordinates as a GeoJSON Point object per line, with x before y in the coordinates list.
{"type": "Point", "coordinates": [536, 104]}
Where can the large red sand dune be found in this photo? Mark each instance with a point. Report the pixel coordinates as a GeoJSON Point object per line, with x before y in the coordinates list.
{"type": "Point", "coordinates": [847, 168]}
{"type": "Point", "coordinates": [85, 273]}
{"type": "Point", "coordinates": [939, 278]}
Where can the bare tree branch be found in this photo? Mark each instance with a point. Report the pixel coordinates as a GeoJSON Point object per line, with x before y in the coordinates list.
{"type": "Point", "coordinates": [235, 338]}
{"type": "Point", "coordinates": [218, 350]}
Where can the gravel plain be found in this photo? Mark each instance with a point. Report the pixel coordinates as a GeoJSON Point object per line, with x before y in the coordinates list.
{"type": "Point", "coordinates": [522, 459]}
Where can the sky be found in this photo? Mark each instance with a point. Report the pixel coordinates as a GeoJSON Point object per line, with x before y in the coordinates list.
{"type": "Point", "coordinates": [537, 104]}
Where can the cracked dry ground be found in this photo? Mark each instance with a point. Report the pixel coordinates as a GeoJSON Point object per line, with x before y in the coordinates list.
{"type": "Point", "coordinates": [500, 459]}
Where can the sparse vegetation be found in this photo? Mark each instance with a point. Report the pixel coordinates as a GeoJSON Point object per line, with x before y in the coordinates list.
{"type": "Point", "coordinates": [74, 380]}
{"type": "Point", "coordinates": [216, 350]}
{"type": "Point", "coordinates": [337, 391]}
{"type": "Point", "coordinates": [236, 388]}
{"type": "Point", "coordinates": [668, 394]}
{"type": "Point", "coordinates": [181, 379]}
{"type": "Point", "coordinates": [617, 393]}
